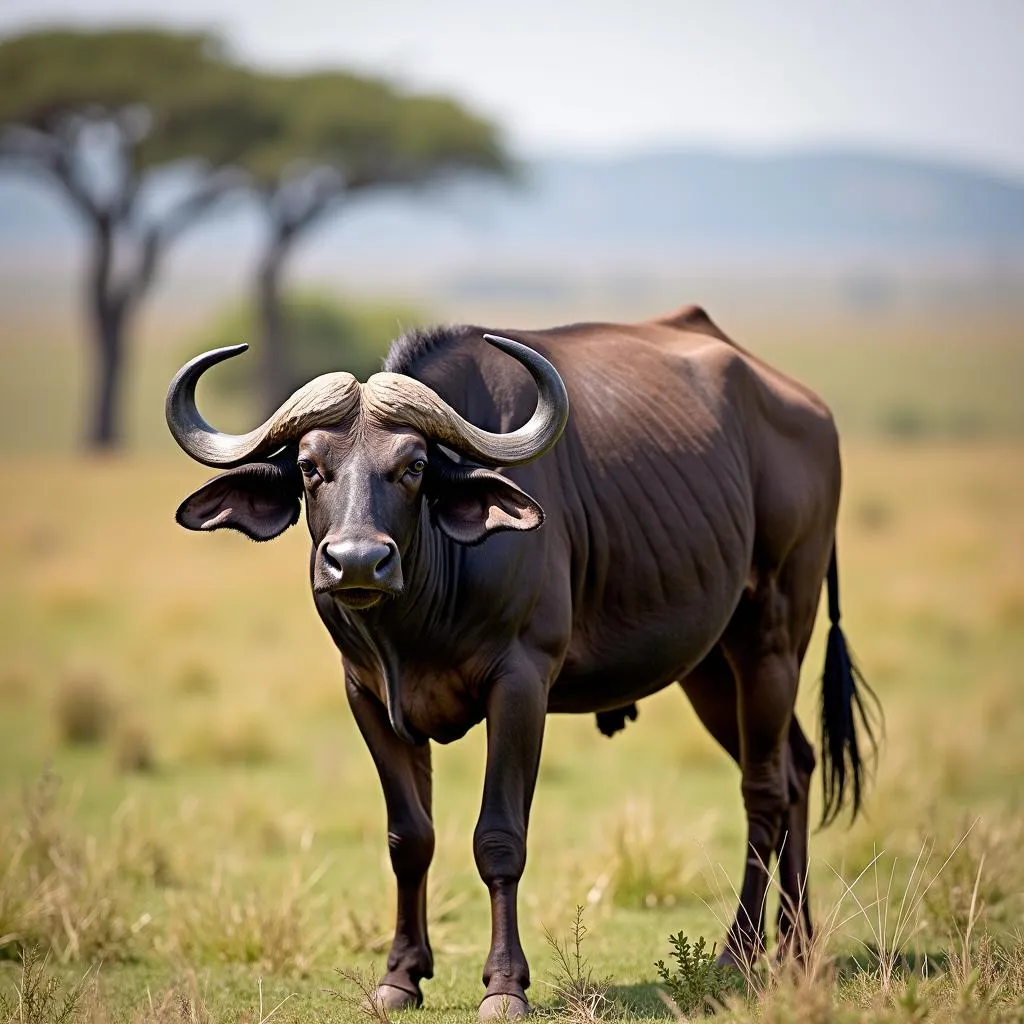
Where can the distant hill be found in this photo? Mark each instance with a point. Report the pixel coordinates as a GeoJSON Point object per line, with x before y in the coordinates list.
{"type": "Point", "coordinates": [841, 207]}
{"type": "Point", "coordinates": [830, 201]}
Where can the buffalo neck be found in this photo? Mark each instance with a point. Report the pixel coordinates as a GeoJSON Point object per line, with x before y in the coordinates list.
{"type": "Point", "coordinates": [418, 625]}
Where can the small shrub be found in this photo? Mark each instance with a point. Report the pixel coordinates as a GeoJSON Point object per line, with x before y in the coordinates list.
{"type": "Point", "coordinates": [323, 334]}
{"type": "Point", "coordinates": [695, 983]}
{"type": "Point", "coordinates": [83, 710]}
{"type": "Point", "coordinates": [583, 997]}
{"type": "Point", "coordinates": [38, 997]}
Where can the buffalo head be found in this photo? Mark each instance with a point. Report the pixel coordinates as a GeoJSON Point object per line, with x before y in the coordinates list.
{"type": "Point", "coordinates": [369, 458]}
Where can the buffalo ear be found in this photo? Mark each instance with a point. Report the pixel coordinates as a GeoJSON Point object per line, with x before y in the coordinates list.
{"type": "Point", "coordinates": [471, 504]}
{"type": "Point", "coordinates": [261, 499]}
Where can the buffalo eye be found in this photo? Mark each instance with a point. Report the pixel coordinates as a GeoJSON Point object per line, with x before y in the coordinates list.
{"type": "Point", "coordinates": [309, 471]}
{"type": "Point", "coordinates": [416, 467]}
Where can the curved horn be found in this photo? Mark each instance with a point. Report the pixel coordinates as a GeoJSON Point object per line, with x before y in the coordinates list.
{"type": "Point", "coordinates": [322, 402]}
{"type": "Point", "coordinates": [400, 399]}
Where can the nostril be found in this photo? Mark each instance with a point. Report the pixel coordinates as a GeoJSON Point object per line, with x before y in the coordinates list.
{"type": "Point", "coordinates": [331, 561]}
{"type": "Point", "coordinates": [385, 561]}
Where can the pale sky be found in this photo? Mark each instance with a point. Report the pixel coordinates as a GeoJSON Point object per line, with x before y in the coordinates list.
{"type": "Point", "coordinates": [931, 77]}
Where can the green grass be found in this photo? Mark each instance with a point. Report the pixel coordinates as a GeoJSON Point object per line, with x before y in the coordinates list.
{"type": "Point", "coordinates": [254, 847]}
{"type": "Point", "coordinates": [247, 840]}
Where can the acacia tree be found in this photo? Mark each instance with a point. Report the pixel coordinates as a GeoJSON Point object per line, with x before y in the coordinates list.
{"type": "Point", "coordinates": [101, 116]}
{"type": "Point", "coordinates": [343, 135]}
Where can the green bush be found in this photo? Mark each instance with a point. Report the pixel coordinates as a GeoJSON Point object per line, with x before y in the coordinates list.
{"type": "Point", "coordinates": [696, 983]}
{"type": "Point", "coordinates": [322, 333]}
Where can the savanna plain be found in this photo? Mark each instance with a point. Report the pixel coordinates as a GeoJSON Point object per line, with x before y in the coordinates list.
{"type": "Point", "coordinates": [191, 828]}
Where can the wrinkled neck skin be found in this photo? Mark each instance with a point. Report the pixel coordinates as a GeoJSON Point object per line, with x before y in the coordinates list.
{"type": "Point", "coordinates": [428, 629]}
{"type": "Point", "coordinates": [431, 653]}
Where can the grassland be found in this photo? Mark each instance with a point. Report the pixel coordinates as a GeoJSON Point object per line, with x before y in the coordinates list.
{"type": "Point", "coordinates": [185, 802]}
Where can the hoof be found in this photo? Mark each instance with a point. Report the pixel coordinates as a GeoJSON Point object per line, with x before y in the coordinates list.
{"type": "Point", "coordinates": [727, 958]}
{"type": "Point", "coordinates": [388, 997]}
{"type": "Point", "coordinates": [503, 1007]}
{"type": "Point", "coordinates": [794, 955]}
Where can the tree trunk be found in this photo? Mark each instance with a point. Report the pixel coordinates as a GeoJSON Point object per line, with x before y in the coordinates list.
{"type": "Point", "coordinates": [275, 378]}
{"type": "Point", "coordinates": [107, 313]}
{"type": "Point", "coordinates": [105, 428]}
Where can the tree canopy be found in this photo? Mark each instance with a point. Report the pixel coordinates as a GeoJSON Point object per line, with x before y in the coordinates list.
{"type": "Point", "coordinates": [100, 113]}
{"type": "Point", "coordinates": [343, 135]}
{"type": "Point", "coordinates": [170, 96]}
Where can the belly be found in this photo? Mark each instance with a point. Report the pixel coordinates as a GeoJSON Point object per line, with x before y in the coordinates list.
{"type": "Point", "coordinates": [657, 573]}
{"type": "Point", "coordinates": [617, 656]}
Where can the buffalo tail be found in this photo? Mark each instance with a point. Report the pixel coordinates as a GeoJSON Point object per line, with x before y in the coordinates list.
{"type": "Point", "coordinates": [849, 713]}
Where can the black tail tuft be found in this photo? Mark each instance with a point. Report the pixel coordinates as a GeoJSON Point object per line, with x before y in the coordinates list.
{"type": "Point", "coordinates": [848, 706]}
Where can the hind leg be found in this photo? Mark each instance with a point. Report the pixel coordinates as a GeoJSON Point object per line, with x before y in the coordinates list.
{"type": "Point", "coordinates": [765, 643]}
{"type": "Point", "coordinates": [795, 930]}
{"type": "Point", "coordinates": [763, 659]}
{"type": "Point", "coordinates": [711, 690]}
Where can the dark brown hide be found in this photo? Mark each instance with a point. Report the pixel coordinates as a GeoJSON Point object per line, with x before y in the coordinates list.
{"type": "Point", "coordinates": [690, 515]}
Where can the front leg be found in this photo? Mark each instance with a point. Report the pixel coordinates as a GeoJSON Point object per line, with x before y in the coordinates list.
{"type": "Point", "coordinates": [516, 707]}
{"type": "Point", "coordinates": [405, 776]}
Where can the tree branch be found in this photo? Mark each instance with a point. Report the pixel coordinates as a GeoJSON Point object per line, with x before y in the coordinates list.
{"type": "Point", "coordinates": [62, 169]}
{"type": "Point", "coordinates": [54, 156]}
{"type": "Point", "coordinates": [323, 192]}
{"type": "Point", "coordinates": [158, 236]}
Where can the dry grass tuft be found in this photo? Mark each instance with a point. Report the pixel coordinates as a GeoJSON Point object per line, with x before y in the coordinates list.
{"type": "Point", "coordinates": [64, 893]}
{"type": "Point", "coordinates": [184, 1004]}
{"type": "Point", "coordinates": [15, 684]}
{"type": "Point", "coordinates": [368, 932]}
{"type": "Point", "coordinates": [872, 514]}
{"type": "Point", "coordinates": [244, 738]}
{"type": "Point", "coordinates": [133, 748]}
{"type": "Point", "coordinates": [364, 997]}
{"type": "Point", "coordinates": [984, 879]}
{"type": "Point", "coordinates": [895, 918]}
{"type": "Point", "coordinates": [284, 932]}
{"type": "Point", "coordinates": [932, 587]}
{"type": "Point", "coordinates": [644, 867]}
{"type": "Point", "coordinates": [195, 678]}
{"type": "Point", "coordinates": [978, 980]}
{"type": "Point", "coordinates": [367, 924]}
{"type": "Point", "coordinates": [83, 709]}
{"type": "Point", "coordinates": [37, 996]}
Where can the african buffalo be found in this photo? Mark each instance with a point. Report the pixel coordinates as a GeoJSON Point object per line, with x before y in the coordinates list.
{"type": "Point", "coordinates": [678, 528]}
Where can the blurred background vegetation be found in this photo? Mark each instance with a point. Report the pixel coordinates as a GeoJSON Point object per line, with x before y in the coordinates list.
{"type": "Point", "coordinates": [153, 186]}
{"type": "Point", "coordinates": [103, 115]}
{"type": "Point", "coordinates": [185, 798]}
